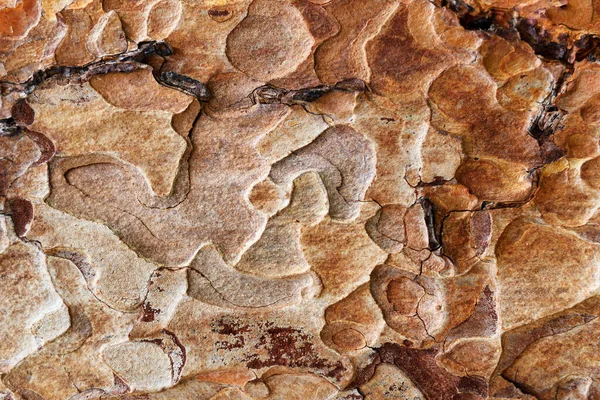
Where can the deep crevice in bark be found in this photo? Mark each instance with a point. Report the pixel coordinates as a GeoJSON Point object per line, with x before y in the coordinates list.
{"type": "Point", "coordinates": [124, 62]}
{"type": "Point", "coordinates": [268, 94]}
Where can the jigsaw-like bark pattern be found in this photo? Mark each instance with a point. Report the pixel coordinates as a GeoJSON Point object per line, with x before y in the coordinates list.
{"type": "Point", "coordinates": [299, 199]}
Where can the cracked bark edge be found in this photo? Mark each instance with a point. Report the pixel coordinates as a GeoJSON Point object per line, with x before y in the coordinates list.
{"type": "Point", "coordinates": [566, 49]}
{"type": "Point", "coordinates": [9, 127]}
{"type": "Point", "coordinates": [175, 350]}
{"type": "Point", "coordinates": [125, 62]}
{"type": "Point", "coordinates": [549, 120]}
{"type": "Point", "coordinates": [268, 94]}
{"type": "Point", "coordinates": [435, 242]}
{"type": "Point", "coordinates": [510, 25]}
{"type": "Point", "coordinates": [184, 83]}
